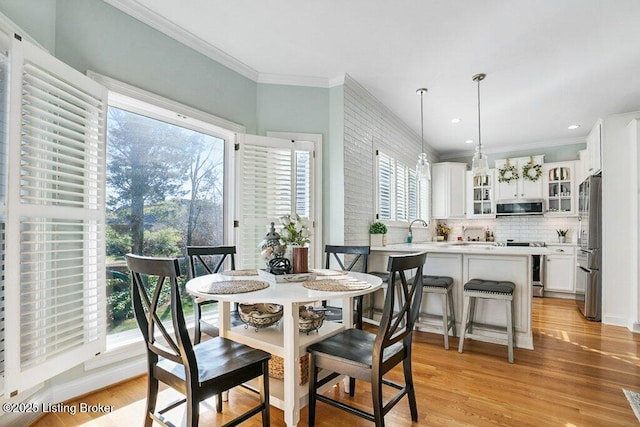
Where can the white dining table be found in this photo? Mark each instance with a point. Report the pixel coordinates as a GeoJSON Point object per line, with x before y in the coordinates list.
{"type": "Point", "coordinates": [283, 339]}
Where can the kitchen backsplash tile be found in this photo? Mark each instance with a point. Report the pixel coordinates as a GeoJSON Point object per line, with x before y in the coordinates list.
{"type": "Point", "coordinates": [520, 228]}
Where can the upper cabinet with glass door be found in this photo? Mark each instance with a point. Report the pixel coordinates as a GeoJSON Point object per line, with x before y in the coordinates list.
{"type": "Point", "coordinates": [480, 195]}
{"type": "Point", "coordinates": [559, 185]}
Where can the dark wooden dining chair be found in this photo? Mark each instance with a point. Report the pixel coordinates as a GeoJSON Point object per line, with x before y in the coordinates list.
{"type": "Point", "coordinates": [207, 260]}
{"type": "Point", "coordinates": [361, 255]}
{"type": "Point", "coordinates": [198, 371]}
{"type": "Point", "coordinates": [367, 356]}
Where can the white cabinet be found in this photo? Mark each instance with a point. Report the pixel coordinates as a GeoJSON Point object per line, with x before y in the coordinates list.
{"type": "Point", "coordinates": [582, 166]}
{"type": "Point", "coordinates": [560, 269]}
{"type": "Point", "coordinates": [448, 190]}
{"type": "Point", "coordinates": [481, 202]}
{"type": "Point", "coordinates": [521, 188]}
{"type": "Point", "coordinates": [594, 149]}
{"type": "Point", "coordinates": [559, 185]}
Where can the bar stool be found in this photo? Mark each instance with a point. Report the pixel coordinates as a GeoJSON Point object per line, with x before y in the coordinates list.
{"type": "Point", "coordinates": [440, 285]}
{"type": "Point", "coordinates": [487, 289]}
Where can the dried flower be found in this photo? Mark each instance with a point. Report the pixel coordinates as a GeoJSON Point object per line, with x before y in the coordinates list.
{"type": "Point", "coordinates": [443, 230]}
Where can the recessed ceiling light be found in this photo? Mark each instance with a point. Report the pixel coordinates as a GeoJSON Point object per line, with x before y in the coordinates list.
{"type": "Point", "coordinates": [469, 141]}
{"type": "Point", "coordinates": [455, 120]}
{"type": "Point", "coordinates": [572, 127]}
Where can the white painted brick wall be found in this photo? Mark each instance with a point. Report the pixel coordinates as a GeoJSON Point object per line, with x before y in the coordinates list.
{"type": "Point", "coordinates": [368, 124]}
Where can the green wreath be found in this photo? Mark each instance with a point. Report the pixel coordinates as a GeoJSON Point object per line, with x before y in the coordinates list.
{"type": "Point", "coordinates": [508, 174]}
{"type": "Point", "coordinates": [537, 172]}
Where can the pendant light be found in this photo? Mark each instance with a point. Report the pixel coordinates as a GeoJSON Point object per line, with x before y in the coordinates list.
{"type": "Point", "coordinates": [479, 163]}
{"type": "Point", "coordinates": [423, 168]}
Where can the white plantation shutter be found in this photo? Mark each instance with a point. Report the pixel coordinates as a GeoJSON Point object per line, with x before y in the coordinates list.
{"type": "Point", "coordinates": [385, 186]}
{"type": "Point", "coordinates": [398, 198]}
{"type": "Point", "coordinates": [55, 219]}
{"type": "Point", "coordinates": [402, 190]}
{"type": "Point", "coordinates": [275, 178]}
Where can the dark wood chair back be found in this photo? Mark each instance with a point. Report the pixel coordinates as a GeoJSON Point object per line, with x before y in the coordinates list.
{"type": "Point", "coordinates": [402, 303]}
{"type": "Point", "coordinates": [207, 260]}
{"type": "Point", "coordinates": [360, 252]}
{"type": "Point", "coordinates": [151, 277]}
{"type": "Point", "coordinates": [201, 257]}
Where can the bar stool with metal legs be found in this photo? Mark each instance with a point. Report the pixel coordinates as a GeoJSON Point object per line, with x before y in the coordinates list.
{"type": "Point", "coordinates": [440, 285]}
{"type": "Point", "coordinates": [487, 289]}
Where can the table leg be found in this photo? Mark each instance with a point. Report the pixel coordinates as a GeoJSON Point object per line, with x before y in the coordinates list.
{"type": "Point", "coordinates": [347, 321]}
{"type": "Point", "coordinates": [291, 372]}
{"type": "Point", "coordinates": [224, 324]}
{"type": "Point", "coordinates": [224, 318]}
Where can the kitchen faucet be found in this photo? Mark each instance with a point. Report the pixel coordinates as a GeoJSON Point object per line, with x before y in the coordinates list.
{"type": "Point", "coordinates": [410, 236]}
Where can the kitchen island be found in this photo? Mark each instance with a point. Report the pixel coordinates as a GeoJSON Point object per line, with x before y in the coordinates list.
{"type": "Point", "coordinates": [465, 261]}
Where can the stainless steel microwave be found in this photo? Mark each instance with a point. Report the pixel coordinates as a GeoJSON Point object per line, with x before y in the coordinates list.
{"type": "Point", "coordinates": [520, 207]}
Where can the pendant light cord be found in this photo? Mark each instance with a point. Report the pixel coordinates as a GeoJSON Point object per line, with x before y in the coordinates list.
{"type": "Point", "coordinates": [478, 78]}
{"type": "Point", "coordinates": [479, 138]}
{"type": "Point", "coordinates": [421, 121]}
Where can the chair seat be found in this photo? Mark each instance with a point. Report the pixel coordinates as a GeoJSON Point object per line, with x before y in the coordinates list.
{"type": "Point", "coordinates": [490, 286]}
{"type": "Point", "coordinates": [217, 357]}
{"type": "Point", "coordinates": [352, 345]}
{"type": "Point", "coordinates": [437, 281]}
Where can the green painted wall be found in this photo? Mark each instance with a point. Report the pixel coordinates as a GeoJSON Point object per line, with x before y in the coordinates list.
{"type": "Point", "coordinates": [282, 108]}
{"type": "Point", "coordinates": [36, 17]}
{"type": "Point", "coordinates": [92, 35]}
{"type": "Point", "coordinates": [551, 154]}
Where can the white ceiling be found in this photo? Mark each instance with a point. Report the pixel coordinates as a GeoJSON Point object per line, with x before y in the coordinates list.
{"type": "Point", "coordinates": [549, 64]}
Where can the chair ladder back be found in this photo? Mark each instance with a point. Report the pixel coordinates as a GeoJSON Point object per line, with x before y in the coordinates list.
{"type": "Point", "coordinates": [360, 252]}
{"type": "Point", "coordinates": [167, 271]}
{"type": "Point", "coordinates": [198, 253]}
{"type": "Point", "coordinates": [395, 325]}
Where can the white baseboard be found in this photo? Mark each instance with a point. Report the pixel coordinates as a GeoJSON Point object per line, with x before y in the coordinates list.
{"type": "Point", "coordinates": [615, 321]}
{"type": "Point", "coordinates": [90, 382]}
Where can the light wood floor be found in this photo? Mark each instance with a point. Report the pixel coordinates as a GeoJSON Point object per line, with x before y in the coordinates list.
{"type": "Point", "coordinates": [574, 377]}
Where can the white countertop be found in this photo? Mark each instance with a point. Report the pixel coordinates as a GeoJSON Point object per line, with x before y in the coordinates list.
{"type": "Point", "coordinates": [462, 248]}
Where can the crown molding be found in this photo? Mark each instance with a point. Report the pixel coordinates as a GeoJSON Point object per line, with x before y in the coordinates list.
{"type": "Point", "coordinates": [152, 19]}
{"type": "Point", "coordinates": [446, 155]}
{"type": "Point", "coordinates": [280, 79]}
{"type": "Point", "coordinates": [337, 81]}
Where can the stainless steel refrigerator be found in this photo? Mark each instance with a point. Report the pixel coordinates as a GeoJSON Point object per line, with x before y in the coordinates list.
{"type": "Point", "coordinates": [589, 259]}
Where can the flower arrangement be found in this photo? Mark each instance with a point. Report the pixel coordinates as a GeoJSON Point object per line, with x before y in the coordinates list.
{"type": "Point", "coordinates": [295, 230]}
{"type": "Point", "coordinates": [443, 230]}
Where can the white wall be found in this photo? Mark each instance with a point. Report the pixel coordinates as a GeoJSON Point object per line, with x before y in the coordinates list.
{"type": "Point", "coordinates": [619, 220]}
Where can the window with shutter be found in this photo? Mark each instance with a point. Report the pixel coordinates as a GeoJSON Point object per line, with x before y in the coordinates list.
{"type": "Point", "coordinates": [276, 178]}
{"type": "Point", "coordinates": [400, 197]}
{"type": "Point", "coordinates": [55, 254]}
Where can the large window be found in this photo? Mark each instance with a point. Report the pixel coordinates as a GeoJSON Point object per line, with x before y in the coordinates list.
{"type": "Point", "coordinates": [401, 197]}
{"type": "Point", "coordinates": [165, 191]}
